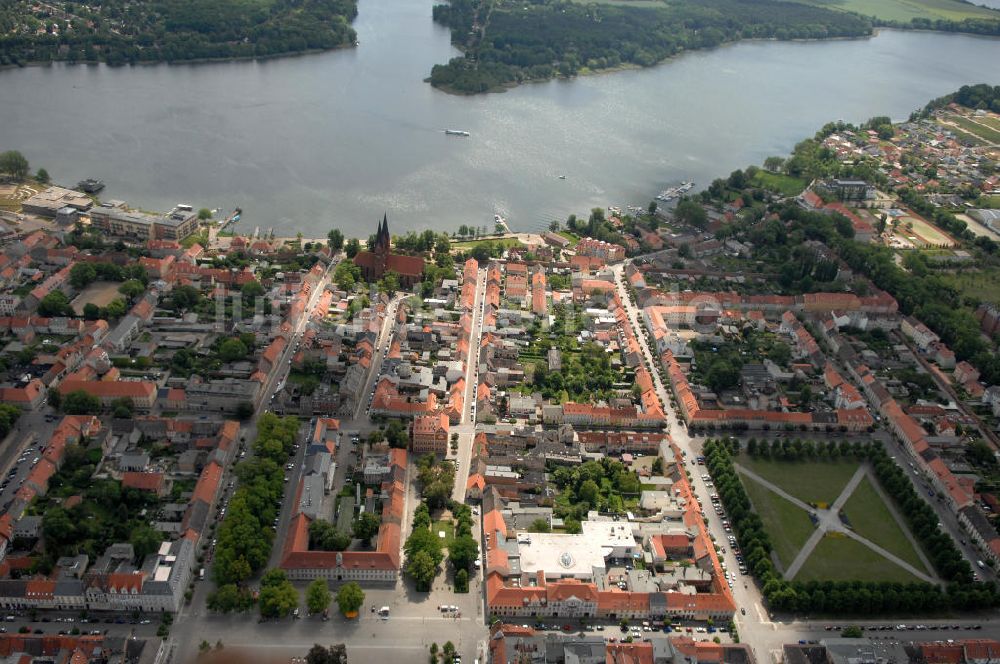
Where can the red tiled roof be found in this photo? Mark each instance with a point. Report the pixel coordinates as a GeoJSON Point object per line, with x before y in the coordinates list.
{"type": "Point", "coordinates": [143, 481]}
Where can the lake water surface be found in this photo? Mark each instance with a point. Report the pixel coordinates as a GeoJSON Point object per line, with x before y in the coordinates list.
{"type": "Point", "coordinates": [334, 139]}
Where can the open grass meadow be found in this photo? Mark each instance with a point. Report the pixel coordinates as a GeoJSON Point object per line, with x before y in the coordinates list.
{"type": "Point", "coordinates": [907, 10]}
{"type": "Point", "coordinates": [466, 245]}
{"type": "Point", "coordinates": [979, 284]}
{"type": "Point", "coordinates": [870, 518]}
{"type": "Point", "coordinates": [809, 481]}
{"type": "Point", "coordinates": [787, 525]}
{"type": "Point", "coordinates": [786, 185]}
{"type": "Point", "coordinates": [840, 558]}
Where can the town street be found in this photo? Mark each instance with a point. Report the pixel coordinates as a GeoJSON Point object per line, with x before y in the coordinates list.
{"type": "Point", "coordinates": [467, 429]}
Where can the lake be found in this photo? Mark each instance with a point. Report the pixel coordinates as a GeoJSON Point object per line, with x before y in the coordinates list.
{"type": "Point", "coordinates": [334, 139]}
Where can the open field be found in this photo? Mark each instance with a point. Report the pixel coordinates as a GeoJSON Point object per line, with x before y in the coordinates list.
{"type": "Point", "coordinates": [465, 245]}
{"type": "Point", "coordinates": [784, 184]}
{"type": "Point", "coordinates": [840, 558]}
{"type": "Point", "coordinates": [788, 526]}
{"type": "Point", "coordinates": [871, 519]}
{"type": "Point", "coordinates": [809, 481]}
{"type": "Point", "coordinates": [929, 233]}
{"type": "Point", "coordinates": [907, 10]}
{"type": "Point", "coordinates": [981, 284]}
{"type": "Point", "coordinates": [100, 293]}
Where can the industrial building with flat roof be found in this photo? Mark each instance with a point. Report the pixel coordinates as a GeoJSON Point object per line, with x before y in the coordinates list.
{"type": "Point", "coordinates": [47, 203]}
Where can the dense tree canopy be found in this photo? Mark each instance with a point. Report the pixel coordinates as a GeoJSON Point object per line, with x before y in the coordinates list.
{"type": "Point", "coordinates": [170, 30]}
{"type": "Point", "coordinates": [552, 38]}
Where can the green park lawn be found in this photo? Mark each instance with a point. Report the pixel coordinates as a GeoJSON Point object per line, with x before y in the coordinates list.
{"type": "Point", "coordinates": [870, 518]}
{"type": "Point", "coordinates": [446, 525]}
{"type": "Point", "coordinates": [809, 481]}
{"type": "Point", "coordinates": [840, 558]}
{"type": "Point", "coordinates": [788, 526]}
{"type": "Point", "coordinates": [906, 10]}
{"type": "Point", "coordinates": [786, 185]}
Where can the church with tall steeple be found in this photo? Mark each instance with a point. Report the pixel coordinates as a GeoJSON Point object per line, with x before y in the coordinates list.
{"type": "Point", "coordinates": [375, 263]}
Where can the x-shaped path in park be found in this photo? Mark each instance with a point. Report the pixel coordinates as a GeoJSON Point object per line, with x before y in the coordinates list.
{"type": "Point", "coordinates": [828, 520]}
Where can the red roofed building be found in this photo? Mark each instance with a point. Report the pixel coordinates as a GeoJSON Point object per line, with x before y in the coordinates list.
{"type": "Point", "coordinates": [379, 566]}
{"type": "Point", "coordinates": [151, 482]}
{"type": "Point", "coordinates": [387, 401]}
{"type": "Point", "coordinates": [430, 434]}
{"type": "Point", "coordinates": [374, 264]}
{"type": "Point", "coordinates": [538, 304]}
{"type": "Point", "coordinates": [29, 396]}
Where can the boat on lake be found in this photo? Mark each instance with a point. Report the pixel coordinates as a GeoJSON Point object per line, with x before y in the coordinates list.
{"type": "Point", "coordinates": [456, 132]}
{"type": "Point", "coordinates": [90, 185]}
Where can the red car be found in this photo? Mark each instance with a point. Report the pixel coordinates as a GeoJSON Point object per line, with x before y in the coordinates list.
{"type": "Point", "coordinates": [567, 628]}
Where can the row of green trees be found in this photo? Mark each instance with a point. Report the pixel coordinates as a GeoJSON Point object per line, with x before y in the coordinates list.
{"type": "Point", "coordinates": [463, 549]}
{"type": "Point", "coordinates": [848, 597]}
{"type": "Point", "coordinates": [246, 535]}
{"type": "Point", "coordinates": [423, 550]}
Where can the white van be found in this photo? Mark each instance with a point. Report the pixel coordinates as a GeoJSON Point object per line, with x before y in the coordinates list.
{"type": "Point", "coordinates": [383, 612]}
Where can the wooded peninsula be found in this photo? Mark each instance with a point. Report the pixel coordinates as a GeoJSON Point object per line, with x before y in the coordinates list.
{"type": "Point", "coordinates": [506, 42]}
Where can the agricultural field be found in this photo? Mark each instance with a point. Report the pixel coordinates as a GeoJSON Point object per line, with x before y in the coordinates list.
{"type": "Point", "coordinates": [907, 10]}
{"type": "Point", "coordinates": [977, 126]}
